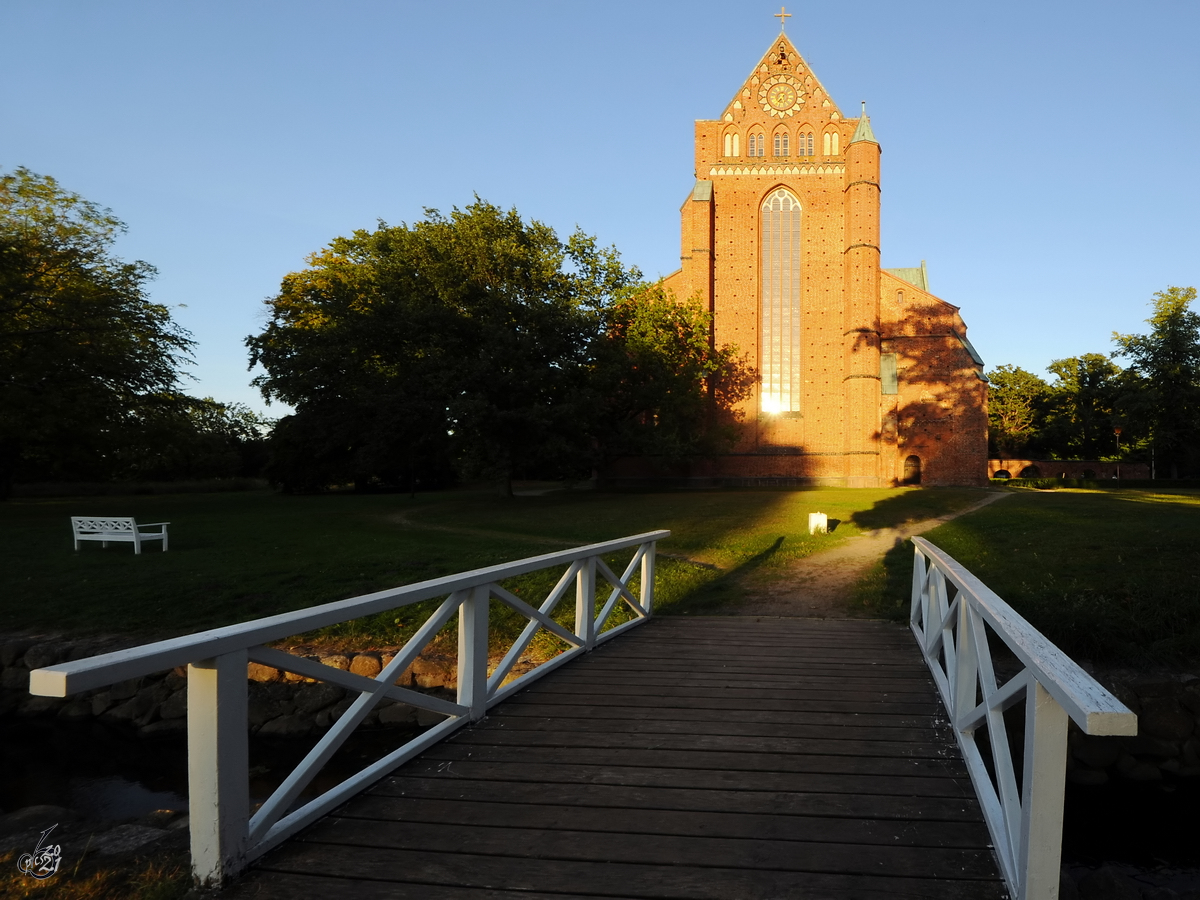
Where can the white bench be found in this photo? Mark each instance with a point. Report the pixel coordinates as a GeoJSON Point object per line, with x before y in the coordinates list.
{"type": "Point", "coordinates": [117, 529]}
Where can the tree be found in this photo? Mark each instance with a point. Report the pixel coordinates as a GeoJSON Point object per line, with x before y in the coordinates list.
{"type": "Point", "coordinates": [81, 345]}
{"type": "Point", "coordinates": [1081, 405]}
{"type": "Point", "coordinates": [475, 339]}
{"type": "Point", "coordinates": [667, 390]}
{"type": "Point", "coordinates": [1015, 408]}
{"type": "Point", "coordinates": [1166, 367]}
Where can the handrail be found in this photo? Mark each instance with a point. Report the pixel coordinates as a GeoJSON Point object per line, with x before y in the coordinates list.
{"type": "Point", "coordinates": [224, 836]}
{"type": "Point", "coordinates": [1025, 821]}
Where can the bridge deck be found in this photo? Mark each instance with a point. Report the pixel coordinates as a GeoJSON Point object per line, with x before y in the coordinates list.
{"type": "Point", "coordinates": [713, 758]}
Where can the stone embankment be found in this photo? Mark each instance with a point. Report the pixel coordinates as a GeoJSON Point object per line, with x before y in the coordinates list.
{"type": "Point", "coordinates": [280, 704]}
{"type": "Point", "coordinates": [1168, 739]}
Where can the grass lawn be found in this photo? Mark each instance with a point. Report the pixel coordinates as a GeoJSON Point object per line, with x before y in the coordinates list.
{"type": "Point", "coordinates": [240, 556]}
{"type": "Point", "coordinates": [1111, 576]}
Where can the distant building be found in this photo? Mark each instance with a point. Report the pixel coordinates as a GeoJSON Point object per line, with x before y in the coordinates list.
{"type": "Point", "coordinates": [868, 379]}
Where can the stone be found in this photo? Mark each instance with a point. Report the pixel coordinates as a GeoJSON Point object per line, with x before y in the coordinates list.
{"type": "Point", "coordinates": [46, 654]}
{"type": "Point", "coordinates": [1160, 893]}
{"type": "Point", "coordinates": [1144, 745]}
{"type": "Point", "coordinates": [427, 718]}
{"type": "Point", "coordinates": [405, 678]}
{"type": "Point", "coordinates": [435, 671]}
{"type": "Point", "coordinates": [319, 696]}
{"type": "Point", "coordinates": [163, 726]}
{"type": "Point", "coordinates": [1170, 765]}
{"type": "Point", "coordinates": [123, 690]}
{"type": "Point", "coordinates": [1085, 776]}
{"type": "Point", "coordinates": [101, 702]}
{"type": "Point", "coordinates": [76, 709]}
{"type": "Point", "coordinates": [180, 823]}
{"type": "Point", "coordinates": [15, 679]}
{"type": "Point", "coordinates": [1125, 694]}
{"type": "Point", "coordinates": [1066, 886]}
{"type": "Point", "coordinates": [175, 706]}
{"type": "Point", "coordinates": [13, 649]}
{"type": "Point", "coordinates": [1094, 751]}
{"type": "Point", "coordinates": [398, 714]}
{"type": "Point", "coordinates": [31, 707]}
{"type": "Point", "coordinates": [174, 680]}
{"type": "Point", "coordinates": [367, 665]}
{"type": "Point", "coordinates": [1106, 883]}
{"type": "Point", "coordinates": [126, 838]}
{"type": "Point", "coordinates": [1190, 699]}
{"type": "Point", "coordinates": [36, 817]}
{"type": "Point", "coordinates": [1155, 686]}
{"type": "Point", "coordinates": [133, 709]}
{"type": "Point", "coordinates": [292, 726]}
{"type": "Point", "coordinates": [1165, 717]}
{"type": "Point", "coordinates": [259, 672]}
{"type": "Point", "coordinates": [1143, 771]}
{"type": "Point", "coordinates": [261, 710]}
{"type": "Point", "coordinates": [336, 661]}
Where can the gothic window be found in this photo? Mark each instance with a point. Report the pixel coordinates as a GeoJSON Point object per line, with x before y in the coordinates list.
{"type": "Point", "coordinates": [809, 150]}
{"type": "Point", "coordinates": [780, 298]}
{"type": "Point", "coordinates": [758, 145]}
{"type": "Point", "coordinates": [828, 142]}
{"type": "Point", "coordinates": [728, 144]}
{"type": "Point", "coordinates": [781, 144]}
{"type": "Point", "coordinates": [737, 144]}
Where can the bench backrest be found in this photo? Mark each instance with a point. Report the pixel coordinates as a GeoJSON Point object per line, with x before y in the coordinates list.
{"type": "Point", "coordinates": [109, 524]}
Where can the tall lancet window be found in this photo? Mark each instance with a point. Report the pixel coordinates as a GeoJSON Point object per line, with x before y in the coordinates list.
{"type": "Point", "coordinates": [780, 346]}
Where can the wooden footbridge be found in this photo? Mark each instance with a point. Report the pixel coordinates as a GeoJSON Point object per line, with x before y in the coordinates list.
{"type": "Point", "coordinates": [709, 757]}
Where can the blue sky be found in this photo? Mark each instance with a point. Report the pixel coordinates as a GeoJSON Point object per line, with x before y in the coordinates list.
{"type": "Point", "coordinates": [1041, 156]}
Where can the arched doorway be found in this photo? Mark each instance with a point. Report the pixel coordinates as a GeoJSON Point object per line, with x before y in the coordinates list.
{"type": "Point", "coordinates": [912, 470]}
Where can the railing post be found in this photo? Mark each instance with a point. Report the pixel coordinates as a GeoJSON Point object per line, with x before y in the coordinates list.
{"type": "Point", "coordinates": [218, 766]}
{"type": "Point", "coordinates": [1044, 787]}
{"type": "Point", "coordinates": [585, 603]}
{"type": "Point", "coordinates": [473, 651]}
{"type": "Point", "coordinates": [647, 591]}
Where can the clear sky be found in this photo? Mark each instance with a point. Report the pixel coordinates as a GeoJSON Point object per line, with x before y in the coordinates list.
{"type": "Point", "coordinates": [1041, 156]}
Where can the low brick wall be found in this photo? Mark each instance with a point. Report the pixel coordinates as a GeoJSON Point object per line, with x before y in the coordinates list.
{"type": "Point", "coordinates": [1067, 468]}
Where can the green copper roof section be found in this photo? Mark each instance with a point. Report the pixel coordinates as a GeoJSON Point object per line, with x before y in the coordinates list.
{"type": "Point", "coordinates": [917, 277]}
{"type": "Point", "coordinates": [863, 132]}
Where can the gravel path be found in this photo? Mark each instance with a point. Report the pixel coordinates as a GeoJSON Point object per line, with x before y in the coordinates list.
{"type": "Point", "coordinates": [820, 585]}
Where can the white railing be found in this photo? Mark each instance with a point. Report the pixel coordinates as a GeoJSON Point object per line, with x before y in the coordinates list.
{"type": "Point", "coordinates": [224, 836]}
{"type": "Point", "coordinates": [952, 612]}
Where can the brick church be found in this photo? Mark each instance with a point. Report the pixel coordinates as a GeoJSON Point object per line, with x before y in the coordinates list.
{"type": "Point", "coordinates": [867, 378]}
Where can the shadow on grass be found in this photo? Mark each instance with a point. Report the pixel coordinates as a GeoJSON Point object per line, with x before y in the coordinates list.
{"type": "Point", "coordinates": [913, 505]}
{"type": "Point", "coordinates": [885, 591]}
{"type": "Point", "coordinates": [716, 597]}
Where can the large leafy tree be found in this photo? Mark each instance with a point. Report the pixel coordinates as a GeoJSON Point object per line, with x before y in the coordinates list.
{"type": "Point", "coordinates": [477, 342]}
{"type": "Point", "coordinates": [1165, 389]}
{"type": "Point", "coordinates": [82, 347]}
{"type": "Point", "coordinates": [1082, 406]}
{"type": "Point", "coordinates": [1016, 401]}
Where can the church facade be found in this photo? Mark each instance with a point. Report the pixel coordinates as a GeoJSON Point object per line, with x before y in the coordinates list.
{"type": "Point", "coordinates": [866, 378]}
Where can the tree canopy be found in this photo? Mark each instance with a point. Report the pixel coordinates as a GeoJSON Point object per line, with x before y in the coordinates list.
{"type": "Point", "coordinates": [1155, 401]}
{"type": "Point", "coordinates": [475, 344]}
{"type": "Point", "coordinates": [81, 344]}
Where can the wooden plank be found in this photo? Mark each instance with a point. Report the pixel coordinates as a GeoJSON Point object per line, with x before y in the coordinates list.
{"type": "Point", "coordinates": [612, 878]}
{"type": "Point", "coordinates": [516, 840]}
{"type": "Point", "coordinates": [917, 785]}
{"type": "Point", "coordinates": [865, 703]}
{"type": "Point", "coordinates": [688, 759]}
{"type": "Point", "coordinates": [718, 726]}
{"type": "Point", "coordinates": [662, 692]}
{"type": "Point", "coordinates": [273, 885]}
{"type": "Point", "coordinates": [670, 743]}
{"type": "Point", "coordinates": [642, 820]}
{"type": "Point", "coordinates": [960, 810]}
{"type": "Point", "coordinates": [873, 719]}
{"type": "Point", "coordinates": [728, 761]}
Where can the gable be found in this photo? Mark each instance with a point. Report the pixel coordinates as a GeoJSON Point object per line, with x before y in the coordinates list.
{"type": "Point", "coordinates": [781, 87]}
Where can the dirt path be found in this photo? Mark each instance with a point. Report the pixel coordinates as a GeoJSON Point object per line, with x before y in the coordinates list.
{"type": "Point", "coordinates": [820, 585]}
